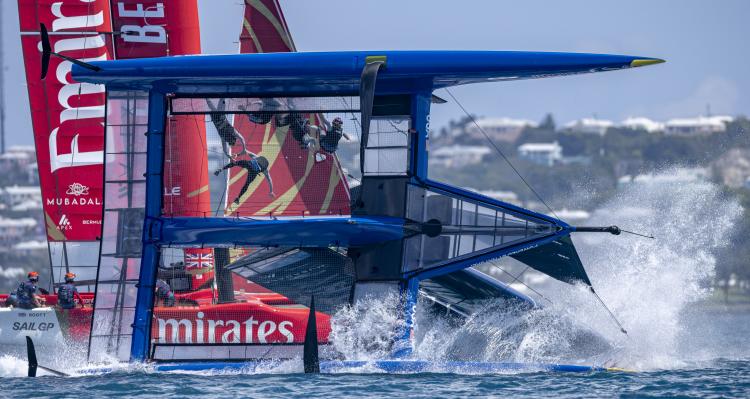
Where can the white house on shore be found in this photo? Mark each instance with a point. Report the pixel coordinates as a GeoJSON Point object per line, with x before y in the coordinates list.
{"type": "Point", "coordinates": [503, 129]}
{"type": "Point", "coordinates": [541, 153]}
{"type": "Point", "coordinates": [702, 125]}
{"type": "Point", "coordinates": [641, 123]}
{"type": "Point", "coordinates": [458, 155]}
{"type": "Point", "coordinates": [589, 125]}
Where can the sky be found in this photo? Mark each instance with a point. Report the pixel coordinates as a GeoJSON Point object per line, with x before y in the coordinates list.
{"type": "Point", "coordinates": [705, 44]}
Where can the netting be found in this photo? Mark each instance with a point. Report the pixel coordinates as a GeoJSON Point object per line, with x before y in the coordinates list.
{"type": "Point", "coordinates": [245, 298]}
{"type": "Point", "coordinates": [122, 226]}
{"type": "Point", "coordinates": [263, 157]}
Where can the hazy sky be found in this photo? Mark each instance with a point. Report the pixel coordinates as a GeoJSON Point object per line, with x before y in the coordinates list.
{"type": "Point", "coordinates": [705, 44]}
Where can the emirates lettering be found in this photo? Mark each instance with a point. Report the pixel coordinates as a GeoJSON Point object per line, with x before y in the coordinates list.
{"type": "Point", "coordinates": [70, 112]}
{"type": "Point", "coordinates": [212, 331]}
{"type": "Point", "coordinates": [148, 33]}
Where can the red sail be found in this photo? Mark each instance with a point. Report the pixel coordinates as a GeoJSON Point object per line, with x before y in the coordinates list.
{"type": "Point", "coordinates": [151, 28]}
{"type": "Point", "coordinates": [67, 117]}
{"type": "Point", "coordinates": [302, 186]}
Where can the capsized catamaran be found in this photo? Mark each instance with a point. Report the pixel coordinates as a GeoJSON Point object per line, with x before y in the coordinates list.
{"type": "Point", "coordinates": [395, 233]}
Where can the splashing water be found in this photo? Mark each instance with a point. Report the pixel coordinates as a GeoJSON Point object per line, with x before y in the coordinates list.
{"type": "Point", "coordinates": [367, 329]}
{"type": "Point", "coordinates": [646, 283]}
{"type": "Point", "coordinates": [649, 283]}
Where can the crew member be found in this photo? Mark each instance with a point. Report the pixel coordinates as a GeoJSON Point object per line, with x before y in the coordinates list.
{"type": "Point", "coordinates": [254, 166]}
{"type": "Point", "coordinates": [164, 293]}
{"type": "Point", "coordinates": [329, 140]}
{"type": "Point", "coordinates": [68, 293]}
{"type": "Point", "coordinates": [302, 130]}
{"type": "Point", "coordinates": [265, 113]}
{"type": "Point", "coordinates": [26, 296]}
{"type": "Point", "coordinates": [225, 129]}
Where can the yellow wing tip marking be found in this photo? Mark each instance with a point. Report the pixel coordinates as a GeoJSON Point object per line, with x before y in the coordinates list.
{"type": "Point", "coordinates": [619, 370]}
{"type": "Point", "coordinates": [645, 62]}
{"type": "Point", "coordinates": [375, 58]}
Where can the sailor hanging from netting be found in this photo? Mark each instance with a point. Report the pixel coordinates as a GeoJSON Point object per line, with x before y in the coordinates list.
{"type": "Point", "coordinates": [266, 108]}
{"type": "Point", "coordinates": [330, 137]}
{"type": "Point", "coordinates": [302, 130]}
{"type": "Point", "coordinates": [254, 166]}
{"type": "Point", "coordinates": [226, 131]}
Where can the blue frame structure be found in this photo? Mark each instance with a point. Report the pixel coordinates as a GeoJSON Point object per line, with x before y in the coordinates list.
{"type": "Point", "coordinates": [414, 73]}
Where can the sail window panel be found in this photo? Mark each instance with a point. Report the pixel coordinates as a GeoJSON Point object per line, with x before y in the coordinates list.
{"type": "Point", "coordinates": [486, 217]}
{"type": "Point", "coordinates": [109, 232]}
{"type": "Point", "coordinates": [387, 151]}
{"type": "Point", "coordinates": [108, 322]}
{"type": "Point", "coordinates": [483, 241]}
{"type": "Point", "coordinates": [116, 295]}
{"type": "Point", "coordinates": [79, 253]}
{"type": "Point", "coordinates": [386, 161]}
{"type": "Point", "coordinates": [415, 206]}
{"type": "Point", "coordinates": [56, 254]}
{"type": "Point", "coordinates": [113, 268]}
{"type": "Point", "coordinates": [123, 139]}
{"type": "Point", "coordinates": [465, 244]}
{"type": "Point", "coordinates": [127, 108]}
{"type": "Point", "coordinates": [468, 214]}
{"type": "Point", "coordinates": [125, 167]}
{"type": "Point", "coordinates": [83, 273]}
{"type": "Point", "coordinates": [124, 195]}
{"type": "Point", "coordinates": [389, 132]}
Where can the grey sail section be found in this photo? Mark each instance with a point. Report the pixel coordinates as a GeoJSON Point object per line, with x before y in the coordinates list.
{"type": "Point", "coordinates": [470, 227]}
{"type": "Point", "coordinates": [298, 273]}
{"type": "Point", "coordinates": [558, 259]}
{"type": "Point", "coordinates": [122, 225]}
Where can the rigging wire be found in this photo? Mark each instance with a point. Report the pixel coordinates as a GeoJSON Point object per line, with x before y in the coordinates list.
{"type": "Point", "coordinates": [638, 234]}
{"type": "Point", "coordinates": [500, 152]}
{"type": "Point", "coordinates": [611, 315]}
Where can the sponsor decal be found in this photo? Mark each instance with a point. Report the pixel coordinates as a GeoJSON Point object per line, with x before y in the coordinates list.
{"type": "Point", "coordinates": [77, 189]}
{"type": "Point", "coordinates": [32, 326]}
{"type": "Point", "coordinates": [68, 116]}
{"type": "Point", "coordinates": [203, 330]}
{"type": "Point", "coordinates": [64, 223]}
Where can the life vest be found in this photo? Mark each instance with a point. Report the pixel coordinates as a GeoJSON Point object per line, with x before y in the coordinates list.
{"type": "Point", "coordinates": [66, 296]}
{"type": "Point", "coordinates": [25, 293]}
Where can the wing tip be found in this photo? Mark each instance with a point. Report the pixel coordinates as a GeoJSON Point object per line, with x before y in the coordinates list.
{"type": "Point", "coordinates": [641, 62]}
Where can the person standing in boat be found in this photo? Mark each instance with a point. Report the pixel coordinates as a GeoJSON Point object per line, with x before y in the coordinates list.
{"type": "Point", "coordinates": [227, 133]}
{"type": "Point", "coordinates": [68, 293]}
{"type": "Point", "coordinates": [254, 166]}
{"type": "Point", "coordinates": [164, 294]}
{"type": "Point", "coordinates": [26, 297]}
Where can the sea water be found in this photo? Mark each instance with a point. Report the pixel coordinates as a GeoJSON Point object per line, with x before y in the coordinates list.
{"type": "Point", "coordinates": [657, 289]}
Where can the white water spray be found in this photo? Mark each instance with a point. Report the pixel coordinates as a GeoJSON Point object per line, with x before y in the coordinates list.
{"type": "Point", "coordinates": [646, 283]}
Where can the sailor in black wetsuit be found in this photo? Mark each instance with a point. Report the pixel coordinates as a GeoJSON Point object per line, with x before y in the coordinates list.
{"type": "Point", "coordinates": [254, 166]}
{"type": "Point", "coordinates": [329, 140]}
{"type": "Point", "coordinates": [265, 113]}
{"type": "Point", "coordinates": [302, 130]}
{"type": "Point", "coordinates": [226, 131]}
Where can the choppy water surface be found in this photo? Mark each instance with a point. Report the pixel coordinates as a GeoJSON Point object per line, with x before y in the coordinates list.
{"type": "Point", "coordinates": [655, 287]}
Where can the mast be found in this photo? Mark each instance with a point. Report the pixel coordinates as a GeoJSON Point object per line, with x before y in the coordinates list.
{"type": "Point", "coordinates": [2, 86]}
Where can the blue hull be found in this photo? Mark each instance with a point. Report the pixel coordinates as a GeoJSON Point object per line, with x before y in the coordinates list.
{"type": "Point", "coordinates": [392, 366]}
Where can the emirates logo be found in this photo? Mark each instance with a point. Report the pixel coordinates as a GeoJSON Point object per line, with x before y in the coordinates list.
{"type": "Point", "coordinates": [77, 189]}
